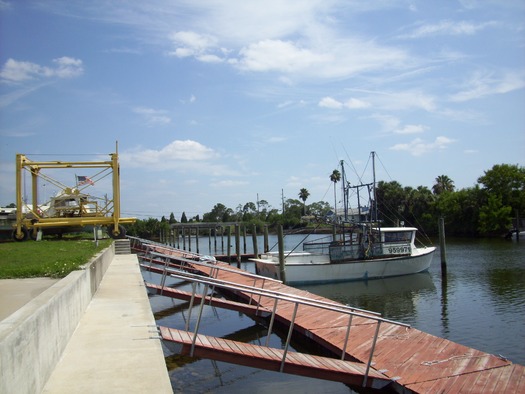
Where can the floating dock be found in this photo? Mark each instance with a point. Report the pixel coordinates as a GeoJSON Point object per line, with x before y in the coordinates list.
{"type": "Point", "coordinates": [368, 351]}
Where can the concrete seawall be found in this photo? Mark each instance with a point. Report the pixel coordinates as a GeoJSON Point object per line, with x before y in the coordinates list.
{"type": "Point", "coordinates": [33, 338]}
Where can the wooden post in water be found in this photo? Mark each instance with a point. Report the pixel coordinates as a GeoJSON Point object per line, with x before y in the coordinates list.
{"type": "Point", "coordinates": [229, 245]}
{"type": "Point", "coordinates": [197, 239]}
{"type": "Point", "coordinates": [254, 239]}
{"type": "Point", "coordinates": [222, 240]}
{"type": "Point", "coordinates": [266, 243]}
{"type": "Point", "coordinates": [280, 238]}
{"type": "Point", "coordinates": [183, 232]}
{"type": "Point", "coordinates": [209, 242]}
{"type": "Point", "coordinates": [442, 246]}
{"type": "Point", "coordinates": [238, 244]}
{"type": "Point", "coordinates": [189, 239]}
{"type": "Point", "coordinates": [517, 225]}
{"type": "Point", "coordinates": [244, 238]}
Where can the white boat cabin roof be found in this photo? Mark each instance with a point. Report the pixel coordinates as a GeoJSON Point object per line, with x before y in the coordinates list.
{"type": "Point", "coordinates": [394, 229]}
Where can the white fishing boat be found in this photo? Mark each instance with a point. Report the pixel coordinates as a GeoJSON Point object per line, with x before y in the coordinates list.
{"type": "Point", "coordinates": [361, 250]}
{"type": "Point", "coordinates": [369, 253]}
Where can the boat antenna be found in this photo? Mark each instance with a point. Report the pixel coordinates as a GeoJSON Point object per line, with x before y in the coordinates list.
{"type": "Point", "coordinates": [345, 190]}
{"type": "Point", "coordinates": [374, 186]}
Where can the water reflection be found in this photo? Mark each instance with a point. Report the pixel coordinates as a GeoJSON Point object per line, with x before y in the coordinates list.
{"type": "Point", "coordinates": [391, 296]}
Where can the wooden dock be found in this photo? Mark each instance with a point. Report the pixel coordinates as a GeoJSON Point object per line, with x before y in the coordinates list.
{"type": "Point", "coordinates": [268, 358]}
{"type": "Point", "coordinates": [409, 359]}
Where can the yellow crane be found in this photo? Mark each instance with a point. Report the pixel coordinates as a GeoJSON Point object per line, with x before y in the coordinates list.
{"type": "Point", "coordinates": [71, 207]}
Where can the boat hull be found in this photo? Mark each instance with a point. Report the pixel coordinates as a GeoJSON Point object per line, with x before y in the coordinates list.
{"type": "Point", "coordinates": [315, 269]}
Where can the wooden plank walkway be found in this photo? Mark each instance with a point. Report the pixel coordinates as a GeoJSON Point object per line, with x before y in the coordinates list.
{"type": "Point", "coordinates": [268, 358]}
{"type": "Point", "coordinates": [418, 362]}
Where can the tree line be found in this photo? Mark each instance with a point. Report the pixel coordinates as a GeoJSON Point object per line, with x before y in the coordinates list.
{"type": "Point", "coordinates": [489, 208]}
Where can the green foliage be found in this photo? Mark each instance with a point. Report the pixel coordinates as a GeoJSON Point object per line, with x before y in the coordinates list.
{"type": "Point", "coordinates": [484, 209]}
{"type": "Point", "coordinates": [443, 184]}
{"type": "Point", "coordinates": [494, 217]}
{"type": "Point", "coordinates": [508, 182]}
{"type": "Point", "coordinates": [148, 228]}
{"type": "Point", "coordinates": [172, 218]}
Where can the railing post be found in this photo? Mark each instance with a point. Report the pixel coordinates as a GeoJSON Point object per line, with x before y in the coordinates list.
{"type": "Point", "coordinates": [289, 337]}
{"type": "Point", "coordinates": [163, 280]}
{"type": "Point", "coordinates": [194, 289]}
{"type": "Point", "coordinates": [270, 326]}
{"type": "Point", "coordinates": [346, 337]}
{"type": "Point", "coordinates": [371, 353]}
{"type": "Point", "coordinates": [198, 320]}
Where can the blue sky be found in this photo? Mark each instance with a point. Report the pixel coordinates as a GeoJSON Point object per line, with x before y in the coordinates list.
{"type": "Point", "coordinates": [225, 101]}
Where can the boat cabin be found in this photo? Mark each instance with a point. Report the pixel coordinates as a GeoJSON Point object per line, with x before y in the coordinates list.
{"type": "Point", "coordinates": [374, 242]}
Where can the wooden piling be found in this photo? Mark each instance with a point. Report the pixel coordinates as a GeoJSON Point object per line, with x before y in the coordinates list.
{"type": "Point", "coordinates": [442, 246]}
{"type": "Point", "coordinates": [229, 244]}
{"type": "Point", "coordinates": [266, 243]}
{"type": "Point", "coordinates": [197, 239]}
{"type": "Point", "coordinates": [238, 245]}
{"type": "Point", "coordinates": [244, 238]}
{"type": "Point", "coordinates": [222, 240]}
{"type": "Point", "coordinates": [518, 225]}
{"type": "Point", "coordinates": [280, 239]}
{"type": "Point", "coordinates": [254, 239]}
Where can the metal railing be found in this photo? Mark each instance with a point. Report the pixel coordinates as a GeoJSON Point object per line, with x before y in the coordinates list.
{"type": "Point", "coordinates": [214, 282]}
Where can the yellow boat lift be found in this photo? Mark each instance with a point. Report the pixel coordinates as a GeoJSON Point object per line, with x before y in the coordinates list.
{"type": "Point", "coordinates": [71, 207]}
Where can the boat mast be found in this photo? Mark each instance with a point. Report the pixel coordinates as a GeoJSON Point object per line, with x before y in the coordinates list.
{"type": "Point", "coordinates": [378, 224]}
{"type": "Point", "coordinates": [345, 191]}
{"type": "Point", "coordinates": [374, 183]}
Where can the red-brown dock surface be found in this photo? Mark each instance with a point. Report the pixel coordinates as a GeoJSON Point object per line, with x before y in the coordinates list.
{"type": "Point", "coordinates": [415, 361]}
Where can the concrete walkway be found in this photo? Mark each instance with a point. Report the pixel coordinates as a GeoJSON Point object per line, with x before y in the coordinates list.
{"type": "Point", "coordinates": [114, 348]}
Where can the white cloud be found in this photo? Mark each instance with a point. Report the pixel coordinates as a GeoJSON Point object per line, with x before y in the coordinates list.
{"type": "Point", "coordinates": [278, 55]}
{"type": "Point", "coordinates": [20, 71]}
{"type": "Point", "coordinates": [448, 27]}
{"type": "Point", "coordinates": [352, 103]}
{"type": "Point", "coordinates": [228, 183]}
{"type": "Point", "coordinates": [179, 155]}
{"type": "Point", "coordinates": [203, 47]}
{"type": "Point", "coordinates": [329, 57]}
{"type": "Point", "coordinates": [4, 5]}
{"type": "Point", "coordinates": [329, 102]}
{"type": "Point", "coordinates": [153, 116]}
{"type": "Point", "coordinates": [418, 147]}
{"type": "Point", "coordinates": [483, 84]}
{"type": "Point", "coordinates": [411, 129]}
{"type": "Point", "coordinates": [391, 124]}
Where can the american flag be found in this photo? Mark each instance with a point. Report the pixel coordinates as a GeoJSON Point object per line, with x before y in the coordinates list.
{"type": "Point", "coordinates": [84, 180]}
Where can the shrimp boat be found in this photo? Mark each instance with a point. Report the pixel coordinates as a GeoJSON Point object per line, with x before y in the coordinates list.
{"type": "Point", "coordinates": [362, 250]}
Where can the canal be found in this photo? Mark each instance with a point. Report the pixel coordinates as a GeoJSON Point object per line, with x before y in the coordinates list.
{"type": "Point", "coordinates": [480, 303]}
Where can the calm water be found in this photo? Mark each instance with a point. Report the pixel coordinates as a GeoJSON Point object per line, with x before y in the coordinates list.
{"type": "Point", "coordinates": [480, 303]}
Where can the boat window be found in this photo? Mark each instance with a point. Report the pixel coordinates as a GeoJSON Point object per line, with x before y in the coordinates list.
{"type": "Point", "coordinates": [398, 236]}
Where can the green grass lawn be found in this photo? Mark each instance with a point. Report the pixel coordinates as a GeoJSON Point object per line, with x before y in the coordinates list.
{"type": "Point", "coordinates": [47, 258]}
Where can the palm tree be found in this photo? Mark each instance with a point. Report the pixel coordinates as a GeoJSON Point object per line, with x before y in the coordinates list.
{"type": "Point", "coordinates": [303, 195]}
{"type": "Point", "coordinates": [443, 184]}
{"type": "Point", "coordinates": [335, 177]}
